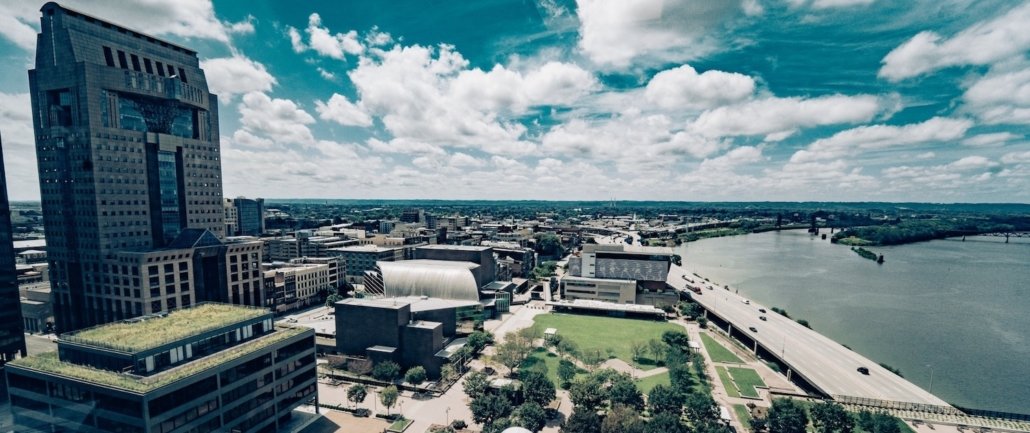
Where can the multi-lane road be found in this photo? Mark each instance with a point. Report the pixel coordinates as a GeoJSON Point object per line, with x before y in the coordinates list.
{"type": "Point", "coordinates": [822, 362]}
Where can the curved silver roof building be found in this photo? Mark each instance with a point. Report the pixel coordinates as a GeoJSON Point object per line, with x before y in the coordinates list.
{"type": "Point", "coordinates": [432, 278]}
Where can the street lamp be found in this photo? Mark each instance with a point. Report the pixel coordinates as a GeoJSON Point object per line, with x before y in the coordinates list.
{"type": "Point", "coordinates": [448, 411]}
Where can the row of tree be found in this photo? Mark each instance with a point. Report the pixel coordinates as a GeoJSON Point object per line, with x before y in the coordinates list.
{"type": "Point", "coordinates": [789, 416]}
{"type": "Point", "coordinates": [499, 408]}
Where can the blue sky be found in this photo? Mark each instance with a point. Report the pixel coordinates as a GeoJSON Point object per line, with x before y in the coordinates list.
{"type": "Point", "coordinates": [592, 99]}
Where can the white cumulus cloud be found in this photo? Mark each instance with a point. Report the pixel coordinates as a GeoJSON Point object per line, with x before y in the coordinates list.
{"type": "Point", "coordinates": [781, 115]}
{"type": "Point", "coordinates": [683, 87]}
{"type": "Point", "coordinates": [340, 110]}
{"type": "Point", "coordinates": [236, 75]}
{"type": "Point", "coordinates": [984, 43]}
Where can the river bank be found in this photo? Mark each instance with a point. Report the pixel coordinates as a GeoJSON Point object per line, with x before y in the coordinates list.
{"type": "Point", "coordinates": [947, 308]}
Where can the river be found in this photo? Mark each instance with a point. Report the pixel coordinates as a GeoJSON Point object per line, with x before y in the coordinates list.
{"type": "Point", "coordinates": [959, 310]}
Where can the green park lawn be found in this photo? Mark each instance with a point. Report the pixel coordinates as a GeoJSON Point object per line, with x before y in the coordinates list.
{"type": "Point", "coordinates": [718, 352]}
{"type": "Point", "coordinates": [727, 383]}
{"type": "Point", "coordinates": [543, 361]}
{"type": "Point", "coordinates": [747, 379]}
{"type": "Point", "coordinates": [743, 414]}
{"type": "Point", "coordinates": [646, 384]}
{"type": "Point", "coordinates": [594, 333]}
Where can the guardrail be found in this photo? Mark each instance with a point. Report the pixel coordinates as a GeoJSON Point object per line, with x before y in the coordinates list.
{"type": "Point", "coordinates": [898, 405]}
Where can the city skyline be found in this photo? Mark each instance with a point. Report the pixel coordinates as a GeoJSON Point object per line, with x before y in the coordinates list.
{"type": "Point", "coordinates": [761, 100]}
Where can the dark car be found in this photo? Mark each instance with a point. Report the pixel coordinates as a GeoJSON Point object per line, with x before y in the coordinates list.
{"type": "Point", "coordinates": [753, 329]}
{"type": "Point", "coordinates": [762, 317]}
{"type": "Point", "coordinates": [863, 370]}
{"type": "Point", "coordinates": [761, 310]}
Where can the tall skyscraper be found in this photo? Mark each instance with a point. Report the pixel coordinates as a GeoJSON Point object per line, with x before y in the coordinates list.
{"type": "Point", "coordinates": [129, 169]}
{"type": "Point", "coordinates": [12, 336]}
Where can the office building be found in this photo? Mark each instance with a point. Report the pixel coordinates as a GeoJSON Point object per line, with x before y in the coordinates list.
{"type": "Point", "coordinates": [37, 307]}
{"type": "Point", "coordinates": [521, 261]}
{"type": "Point", "coordinates": [609, 273]}
{"type": "Point", "coordinates": [244, 216]}
{"type": "Point", "coordinates": [411, 331]}
{"type": "Point", "coordinates": [386, 227]}
{"type": "Point", "coordinates": [301, 282]}
{"type": "Point", "coordinates": [214, 367]}
{"type": "Point", "coordinates": [12, 337]}
{"type": "Point", "coordinates": [363, 258]}
{"type": "Point", "coordinates": [304, 243]}
{"type": "Point", "coordinates": [127, 144]}
{"type": "Point", "coordinates": [413, 216]}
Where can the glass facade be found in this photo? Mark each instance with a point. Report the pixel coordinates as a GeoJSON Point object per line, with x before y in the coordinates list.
{"type": "Point", "coordinates": [168, 182]}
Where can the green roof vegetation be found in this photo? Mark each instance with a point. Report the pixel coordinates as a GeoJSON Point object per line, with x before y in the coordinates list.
{"type": "Point", "coordinates": [155, 331]}
{"type": "Point", "coordinates": [49, 363]}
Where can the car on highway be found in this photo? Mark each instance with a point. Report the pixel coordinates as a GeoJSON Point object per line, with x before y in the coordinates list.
{"type": "Point", "coordinates": [753, 329]}
{"type": "Point", "coordinates": [747, 302]}
{"type": "Point", "coordinates": [761, 310]}
{"type": "Point", "coordinates": [762, 318]}
{"type": "Point", "coordinates": [863, 370]}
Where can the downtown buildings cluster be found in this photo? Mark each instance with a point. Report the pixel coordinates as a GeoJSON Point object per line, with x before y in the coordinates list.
{"type": "Point", "coordinates": [164, 292]}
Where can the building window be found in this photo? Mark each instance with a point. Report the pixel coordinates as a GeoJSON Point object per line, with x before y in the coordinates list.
{"type": "Point", "coordinates": [121, 59]}
{"type": "Point", "coordinates": [108, 56]}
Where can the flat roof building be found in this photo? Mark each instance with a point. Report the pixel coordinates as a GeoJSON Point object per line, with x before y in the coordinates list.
{"type": "Point", "coordinates": [214, 367]}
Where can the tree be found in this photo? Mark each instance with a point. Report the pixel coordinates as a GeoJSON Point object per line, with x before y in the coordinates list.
{"type": "Point", "coordinates": [448, 372]}
{"type": "Point", "coordinates": [701, 408]}
{"type": "Point", "coordinates": [665, 423]}
{"type": "Point", "coordinates": [587, 393]}
{"type": "Point", "coordinates": [388, 397]}
{"type": "Point", "coordinates": [357, 393]}
{"type": "Point", "coordinates": [622, 419]}
{"type": "Point", "coordinates": [657, 349]}
{"type": "Point", "coordinates": [582, 421]}
{"type": "Point", "coordinates": [386, 371]}
{"type": "Point", "coordinates": [415, 375]}
{"type": "Point", "coordinates": [702, 322]}
{"type": "Point", "coordinates": [759, 424]}
{"type": "Point", "coordinates": [488, 408]}
{"type": "Point", "coordinates": [566, 348]}
{"type": "Point", "coordinates": [637, 348]}
{"type": "Point", "coordinates": [332, 299]}
{"type": "Point", "coordinates": [829, 417]}
{"type": "Point", "coordinates": [537, 388]}
{"type": "Point", "coordinates": [591, 358]}
{"type": "Point", "coordinates": [476, 384]}
{"type": "Point", "coordinates": [676, 339]}
{"type": "Point", "coordinates": [884, 423]}
{"type": "Point", "coordinates": [663, 399]}
{"type": "Point", "coordinates": [566, 372]}
{"type": "Point", "coordinates": [625, 393]}
{"type": "Point", "coordinates": [478, 340]}
{"type": "Point", "coordinates": [511, 354]}
{"type": "Point", "coordinates": [786, 416]}
{"type": "Point", "coordinates": [531, 416]}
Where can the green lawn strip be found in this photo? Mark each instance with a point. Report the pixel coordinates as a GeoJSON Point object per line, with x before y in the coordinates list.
{"type": "Point", "coordinates": [724, 376]}
{"type": "Point", "coordinates": [400, 425]}
{"type": "Point", "coordinates": [747, 379]}
{"type": "Point", "coordinates": [593, 333]}
{"type": "Point", "coordinates": [718, 352]}
{"type": "Point", "coordinates": [743, 414]}
{"type": "Point", "coordinates": [646, 384]}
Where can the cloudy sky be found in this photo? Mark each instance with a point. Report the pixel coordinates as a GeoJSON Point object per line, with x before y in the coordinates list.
{"type": "Point", "coordinates": [847, 100]}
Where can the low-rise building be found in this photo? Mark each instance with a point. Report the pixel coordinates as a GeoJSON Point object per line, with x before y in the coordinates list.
{"type": "Point", "coordinates": [37, 308]}
{"type": "Point", "coordinates": [411, 331]}
{"type": "Point", "coordinates": [300, 282]}
{"type": "Point", "coordinates": [214, 367]}
{"type": "Point", "coordinates": [304, 243]}
{"type": "Point", "coordinates": [609, 273]}
{"type": "Point", "coordinates": [363, 258]}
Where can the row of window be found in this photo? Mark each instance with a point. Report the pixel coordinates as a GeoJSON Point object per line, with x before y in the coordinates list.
{"type": "Point", "coordinates": [147, 65]}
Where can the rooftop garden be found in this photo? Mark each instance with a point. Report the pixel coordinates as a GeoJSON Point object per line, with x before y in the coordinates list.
{"type": "Point", "coordinates": [49, 363]}
{"type": "Point", "coordinates": [154, 331]}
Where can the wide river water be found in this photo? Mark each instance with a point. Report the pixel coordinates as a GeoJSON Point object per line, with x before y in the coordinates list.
{"type": "Point", "coordinates": [958, 309]}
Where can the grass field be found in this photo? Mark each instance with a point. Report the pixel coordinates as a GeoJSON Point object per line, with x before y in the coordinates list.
{"type": "Point", "coordinates": [399, 425]}
{"type": "Point", "coordinates": [747, 379]}
{"type": "Point", "coordinates": [743, 414]}
{"type": "Point", "coordinates": [718, 352]}
{"type": "Point", "coordinates": [593, 333]}
{"type": "Point", "coordinates": [545, 362]}
{"type": "Point", "coordinates": [646, 384]}
{"type": "Point", "coordinates": [727, 383]}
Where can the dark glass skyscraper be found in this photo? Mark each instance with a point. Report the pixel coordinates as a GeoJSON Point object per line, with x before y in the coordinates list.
{"type": "Point", "coordinates": [128, 152]}
{"type": "Point", "coordinates": [12, 336]}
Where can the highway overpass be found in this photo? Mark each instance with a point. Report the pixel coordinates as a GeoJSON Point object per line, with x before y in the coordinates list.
{"type": "Point", "coordinates": [822, 363]}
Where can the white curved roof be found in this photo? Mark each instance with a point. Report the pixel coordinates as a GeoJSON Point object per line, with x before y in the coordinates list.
{"type": "Point", "coordinates": [516, 430]}
{"type": "Point", "coordinates": [432, 278]}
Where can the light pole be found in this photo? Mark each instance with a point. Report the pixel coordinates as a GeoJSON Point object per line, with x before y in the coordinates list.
{"type": "Point", "coordinates": [931, 378]}
{"type": "Point", "coordinates": [448, 411]}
